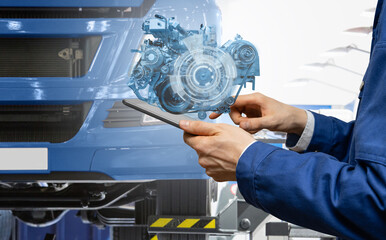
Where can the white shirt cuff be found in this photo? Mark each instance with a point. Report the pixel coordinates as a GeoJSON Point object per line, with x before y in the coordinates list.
{"type": "Point", "coordinates": [305, 139]}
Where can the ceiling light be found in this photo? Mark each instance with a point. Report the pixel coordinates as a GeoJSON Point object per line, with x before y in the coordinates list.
{"type": "Point", "coordinates": [329, 63]}
{"type": "Point", "coordinates": [344, 50]}
{"type": "Point", "coordinates": [362, 31]}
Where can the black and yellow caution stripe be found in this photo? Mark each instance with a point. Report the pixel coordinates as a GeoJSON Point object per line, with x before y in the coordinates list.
{"type": "Point", "coordinates": [155, 237]}
{"type": "Point", "coordinates": [183, 224]}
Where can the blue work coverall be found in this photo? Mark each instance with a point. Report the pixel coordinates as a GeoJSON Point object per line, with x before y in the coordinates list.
{"type": "Point", "coordinates": [338, 185]}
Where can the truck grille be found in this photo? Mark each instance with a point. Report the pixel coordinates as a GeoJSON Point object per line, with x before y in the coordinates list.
{"type": "Point", "coordinates": [121, 116]}
{"type": "Point", "coordinates": [77, 12]}
{"type": "Point", "coordinates": [47, 57]}
{"type": "Point", "coordinates": [41, 123]}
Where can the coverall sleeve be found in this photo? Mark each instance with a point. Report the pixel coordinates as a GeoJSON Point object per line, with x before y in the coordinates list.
{"type": "Point", "coordinates": [315, 190]}
{"type": "Point", "coordinates": [331, 136]}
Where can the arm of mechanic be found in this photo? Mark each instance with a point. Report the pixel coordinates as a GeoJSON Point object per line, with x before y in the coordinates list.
{"type": "Point", "coordinates": [323, 134]}
{"type": "Point", "coordinates": [315, 190]}
{"type": "Point", "coordinates": [331, 136]}
{"type": "Point", "coordinates": [310, 189]}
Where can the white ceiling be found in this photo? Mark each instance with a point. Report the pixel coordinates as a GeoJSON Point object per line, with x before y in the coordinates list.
{"type": "Point", "coordinates": [289, 34]}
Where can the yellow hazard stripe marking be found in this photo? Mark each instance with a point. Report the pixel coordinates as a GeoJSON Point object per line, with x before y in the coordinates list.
{"type": "Point", "coordinates": [188, 223]}
{"type": "Point", "coordinates": [161, 222]}
{"type": "Point", "coordinates": [211, 224]}
{"type": "Point", "coordinates": [154, 238]}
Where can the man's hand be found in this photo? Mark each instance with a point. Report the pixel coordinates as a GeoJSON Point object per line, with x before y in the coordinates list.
{"type": "Point", "coordinates": [264, 112]}
{"type": "Point", "coordinates": [218, 146]}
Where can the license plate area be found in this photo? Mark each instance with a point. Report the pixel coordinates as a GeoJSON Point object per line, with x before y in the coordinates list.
{"type": "Point", "coordinates": [16, 159]}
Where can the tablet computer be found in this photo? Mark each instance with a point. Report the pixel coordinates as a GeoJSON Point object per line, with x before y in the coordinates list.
{"type": "Point", "coordinates": [144, 107]}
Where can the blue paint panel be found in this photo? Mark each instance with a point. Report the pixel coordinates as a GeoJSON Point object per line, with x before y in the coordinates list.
{"type": "Point", "coordinates": [66, 3]}
{"type": "Point", "coordinates": [140, 163]}
{"type": "Point", "coordinates": [69, 227]}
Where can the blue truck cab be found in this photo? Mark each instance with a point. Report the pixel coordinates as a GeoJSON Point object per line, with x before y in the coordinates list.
{"type": "Point", "coordinates": [64, 69]}
{"type": "Point", "coordinates": [66, 139]}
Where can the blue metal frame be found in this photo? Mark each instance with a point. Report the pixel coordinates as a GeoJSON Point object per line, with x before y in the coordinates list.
{"type": "Point", "coordinates": [151, 152]}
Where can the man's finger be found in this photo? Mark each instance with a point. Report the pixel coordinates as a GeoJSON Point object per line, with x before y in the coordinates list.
{"type": "Point", "coordinates": [198, 127]}
{"type": "Point", "coordinates": [188, 136]}
{"type": "Point", "coordinates": [198, 143]}
{"type": "Point", "coordinates": [236, 116]}
{"type": "Point", "coordinates": [254, 124]}
{"type": "Point", "coordinates": [249, 99]}
{"type": "Point", "coordinates": [190, 139]}
{"type": "Point", "coordinates": [214, 115]}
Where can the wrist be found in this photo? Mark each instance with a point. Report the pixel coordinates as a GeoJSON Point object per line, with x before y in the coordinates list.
{"type": "Point", "coordinates": [299, 121]}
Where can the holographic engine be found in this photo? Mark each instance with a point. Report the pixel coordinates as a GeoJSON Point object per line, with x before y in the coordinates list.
{"type": "Point", "coordinates": [186, 71]}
